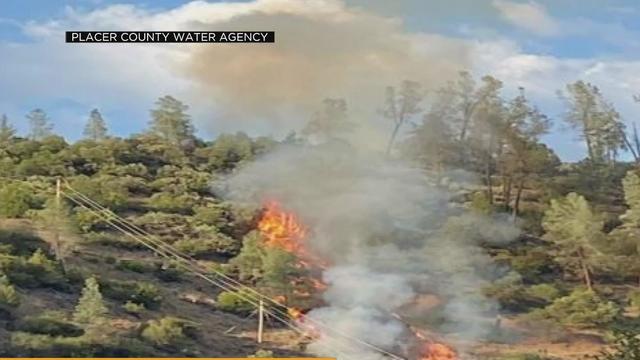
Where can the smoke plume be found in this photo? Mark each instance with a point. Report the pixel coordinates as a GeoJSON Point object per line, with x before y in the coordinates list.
{"type": "Point", "coordinates": [323, 49]}
{"type": "Point", "coordinates": [389, 232]}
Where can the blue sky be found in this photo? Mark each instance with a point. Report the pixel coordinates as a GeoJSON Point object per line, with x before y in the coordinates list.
{"type": "Point", "coordinates": [540, 45]}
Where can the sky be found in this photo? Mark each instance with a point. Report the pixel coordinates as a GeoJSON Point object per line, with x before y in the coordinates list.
{"type": "Point", "coordinates": [539, 45]}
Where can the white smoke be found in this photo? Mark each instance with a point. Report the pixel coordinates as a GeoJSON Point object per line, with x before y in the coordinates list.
{"type": "Point", "coordinates": [389, 232]}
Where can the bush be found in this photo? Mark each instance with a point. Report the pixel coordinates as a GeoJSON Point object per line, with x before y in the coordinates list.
{"type": "Point", "coordinates": [262, 354]}
{"type": "Point", "coordinates": [15, 199]}
{"type": "Point", "coordinates": [234, 302]}
{"type": "Point", "coordinates": [87, 221]}
{"type": "Point", "coordinates": [21, 243]}
{"type": "Point", "coordinates": [143, 293]}
{"type": "Point", "coordinates": [168, 331]}
{"type": "Point", "coordinates": [582, 308]}
{"type": "Point", "coordinates": [44, 325]}
{"type": "Point", "coordinates": [212, 214]}
{"type": "Point", "coordinates": [544, 292]}
{"type": "Point", "coordinates": [37, 271]}
{"type": "Point", "coordinates": [167, 202]}
{"type": "Point", "coordinates": [8, 295]}
{"type": "Point", "coordinates": [633, 299]}
{"type": "Point", "coordinates": [626, 346]}
{"type": "Point", "coordinates": [133, 308]}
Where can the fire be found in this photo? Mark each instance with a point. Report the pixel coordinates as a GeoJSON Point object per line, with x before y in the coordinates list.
{"type": "Point", "coordinates": [433, 350]}
{"type": "Point", "coordinates": [438, 351]}
{"type": "Point", "coordinates": [282, 229]}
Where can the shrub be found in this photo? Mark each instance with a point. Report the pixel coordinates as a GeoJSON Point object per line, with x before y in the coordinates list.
{"type": "Point", "coordinates": [262, 354]}
{"type": "Point", "coordinates": [234, 302]}
{"type": "Point", "coordinates": [133, 308]}
{"type": "Point", "coordinates": [8, 295]}
{"type": "Point", "coordinates": [15, 199]}
{"type": "Point", "coordinates": [545, 292]}
{"type": "Point", "coordinates": [37, 271]}
{"type": "Point", "coordinates": [212, 214]}
{"type": "Point", "coordinates": [167, 202]}
{"type": "Point", "coordinates": [20, 243]}
{"type": "Point", "coordinates": [143, 293]}
{"type": "Point", "coordinates": [45, 325]}
{"type": "Point", "coordinates": [582, 308]}
{"type": "Point", "coordinates": [168, 331]}
{"type": "Point", "coordinates": [633, 298]}
{"type": "Point", "coordinates": [626, 346]}
{"type": "Point", "coordinates": [87, 221]}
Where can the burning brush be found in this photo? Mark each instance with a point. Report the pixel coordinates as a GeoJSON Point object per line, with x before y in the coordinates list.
{"type": "Point", "coordinates": [283, 230]}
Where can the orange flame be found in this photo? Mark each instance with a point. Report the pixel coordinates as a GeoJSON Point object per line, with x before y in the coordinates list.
{"type": "Point", "coordinates": [282, 229]}
{"type": "Point", "coordinates": [433, 350]}
{"type": "Point", "coordinates": [438, 351]}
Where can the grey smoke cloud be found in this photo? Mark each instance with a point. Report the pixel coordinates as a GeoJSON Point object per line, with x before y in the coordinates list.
{"type": "Point", "coordinates": [388, 232]}
{"type": "Point", "coordinates": [323, 49]}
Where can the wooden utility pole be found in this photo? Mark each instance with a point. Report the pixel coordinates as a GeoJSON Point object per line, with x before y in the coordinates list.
{"type": "Point", "coordinates": [58, 191]}
{"type": "Point", "coordinates": [260, 321]}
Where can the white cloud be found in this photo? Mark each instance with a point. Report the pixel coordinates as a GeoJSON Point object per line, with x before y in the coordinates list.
{"type": "Point", "coordinates": [530, 16]}
{"type": "Point", "coordinates": [323, 49]}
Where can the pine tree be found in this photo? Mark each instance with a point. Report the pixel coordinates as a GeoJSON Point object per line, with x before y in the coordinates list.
{"type": "Point", "coordinates": [597, 121]}
{"type": "Point", "coordinates": [170, 120]}
{"type": "Point", "coordinates": [96, 128]}
{"type": "Point", "coordinates": [6, 130]}
{"type": "Point", "coordinates": [39, 124]}
{"type": "Point", "coordinates": [91, 308]}
{"type": "Point", "coordinates": [576, 230]}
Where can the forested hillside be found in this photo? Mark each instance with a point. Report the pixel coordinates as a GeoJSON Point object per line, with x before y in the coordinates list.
{"type": "Point", "coordinates": [73, 285]}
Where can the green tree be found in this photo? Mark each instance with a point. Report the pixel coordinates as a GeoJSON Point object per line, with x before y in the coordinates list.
{"type": "Point", "coordinates": [279, 271]}
{"type": "Point", "coordinates": [624, 241]}
{"type": "Point", "coordinates": [575, 229]}
{"type": "Point", "coordinates": [596, 120]}
{"type": "Point", "coordinates": [626, 346]}
{"type": "Point", "coordinates": [249, 260]}
{"type": "Point", "coordinates": [7, 131]}
{"type": "Point", "coordinates": [170, 120]}
{"type": "Point", "coordinates": [96, 128]}
{"type": "Point", "coordinates": [39, 124]}
{"type": "Point", "coordinates": [91, 308]}
{"type": "Point", "coordinates": [583, 308]}
{"type": "Point", "coordinates": [400, 106]}
{"type": "Point", "coordinates": [15, 199]}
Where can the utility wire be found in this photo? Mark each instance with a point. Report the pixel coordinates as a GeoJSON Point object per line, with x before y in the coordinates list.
{"type": "Point", "coordinates": [168, 251]}
{"type": "Point", "coordinates": [227, 280]}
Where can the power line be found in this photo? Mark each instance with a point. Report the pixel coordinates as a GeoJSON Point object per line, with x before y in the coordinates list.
{"type": "Point", "coordinates": [227, 279]}
{"type": "Point", "coordinates": [192, 266]}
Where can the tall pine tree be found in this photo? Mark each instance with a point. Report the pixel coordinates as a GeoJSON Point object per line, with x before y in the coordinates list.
{"type": "Point", "coordinates": [39, 124]}
{"type": "Point", "coordinates": [91, 308]}
{"type": "Point", "coordinates": [170, 120]}
{"type": "Point", "coordinates": [96, 128]}
{"type": "Point", "coordinates": [6, 130]}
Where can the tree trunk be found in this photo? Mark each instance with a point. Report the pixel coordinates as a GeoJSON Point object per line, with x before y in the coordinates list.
{"type": "Point", "coordinates": [516, 204]}
{"type": "Point", "coordinates": [506, 191]}
{"type": "Point", "coordinates": [586, 274]}
{"type": "Point", "coordinates": [489, 181]}
{"type": "Point", "coordinates": [393, 137]}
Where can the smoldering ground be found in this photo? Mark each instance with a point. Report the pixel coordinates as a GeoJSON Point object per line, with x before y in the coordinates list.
{"type": "Point", "coordinates": [389, 232]}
